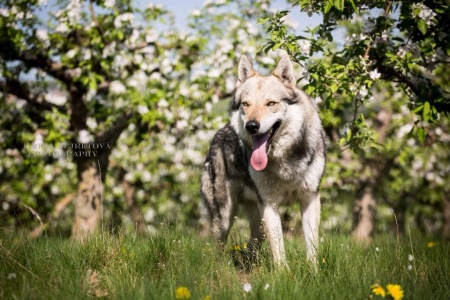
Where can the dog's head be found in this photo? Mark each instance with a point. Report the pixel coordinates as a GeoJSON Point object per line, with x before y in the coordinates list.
{"type": "Point", "coordinates": [260, 104]}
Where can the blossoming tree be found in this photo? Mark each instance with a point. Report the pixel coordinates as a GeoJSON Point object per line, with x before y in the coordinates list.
{"type": "Point", "coordinates": [399, 49]}
{"type": "Point", "coordinates": [104, 88]}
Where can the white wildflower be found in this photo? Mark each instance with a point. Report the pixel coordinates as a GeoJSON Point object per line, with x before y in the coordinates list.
{"type": "Point", "coordinates": [150, 215]}
{"type": "Point", "coordinates": [410, 257]}
{"type": "Point", "coordinates": [247, 287]}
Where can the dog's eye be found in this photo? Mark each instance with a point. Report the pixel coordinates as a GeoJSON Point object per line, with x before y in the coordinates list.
{"type": "Point", "coordinates": [245, 104]}
{"type": "Point", "coordinates": [271, 103]}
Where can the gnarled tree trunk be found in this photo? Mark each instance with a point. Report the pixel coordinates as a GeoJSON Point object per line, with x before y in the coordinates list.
{"type": "Point", "coordinates": [364, 215]}
{"type": "Point", "coordinates": [92, 166]}
{"type": "Point", "coordinates": [88, 203]}
{"type": "Point", "coordinates": [365, 203]}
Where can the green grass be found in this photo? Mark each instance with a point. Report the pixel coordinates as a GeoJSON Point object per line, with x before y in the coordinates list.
{"type": "Point", "coordinates": [129, 267]}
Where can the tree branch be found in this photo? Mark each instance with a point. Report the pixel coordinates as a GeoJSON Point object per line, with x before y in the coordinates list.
{"type": "Point", "coordinates": [43, 62]}
{"type": "Point", "coordinates": [22, 91]}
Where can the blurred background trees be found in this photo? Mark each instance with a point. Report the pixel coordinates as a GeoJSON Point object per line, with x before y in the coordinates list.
{"type": "Point", "coordinates": [108, 108]}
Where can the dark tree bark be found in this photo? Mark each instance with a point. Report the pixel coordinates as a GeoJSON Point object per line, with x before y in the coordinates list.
{"type": "Point", "coordinates": [365, 206]}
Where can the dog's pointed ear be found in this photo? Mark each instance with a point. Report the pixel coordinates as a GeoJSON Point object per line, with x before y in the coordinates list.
{"type": "Point", "coordinates": [285, 71]}
{"type": "Point", "coordinates": [245, 70]}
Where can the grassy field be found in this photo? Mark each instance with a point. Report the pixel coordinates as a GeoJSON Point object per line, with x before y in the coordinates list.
{"type": "Point", "coordinates": [129, 267]}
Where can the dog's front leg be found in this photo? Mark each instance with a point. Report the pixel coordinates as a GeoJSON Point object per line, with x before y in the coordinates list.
{"type": "Point", "coordinates": [310, 207]}
{"type": "Point", "coordinates": [272, 225]}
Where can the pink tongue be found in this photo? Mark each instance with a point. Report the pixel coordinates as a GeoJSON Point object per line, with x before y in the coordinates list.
{"type": "Point", "coordinates": [259, 159]}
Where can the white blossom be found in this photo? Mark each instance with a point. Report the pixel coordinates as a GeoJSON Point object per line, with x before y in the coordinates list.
{"type": "Point", "coordinates": [163, 103]}
{"type": "Point", "coordinates": [196, 13]}
{"type": "Point", "coordinates": [142, 109]}
{"type": "Point", "coordinates": [91, 123]}
{"type": "Point", "coordinates": [247, 287]}
{"type": "Point", "coordinates": [84, 136]}
{"type": "Point", "coordinates": [374, 75]}
{"type": "Point", "coordinates": [289, 21]}
{"type": "Point", "coordinates": [305, 46]}
{"type": "Point", "coordinates": [62, 28]}
{"type": "Point", "coordinates": [109, 3]}
{"type": "Point", "coordinates": [71, 53]}
{"type": "Point", "coordinates": [56, 98]}
{"type": "Point", "coordinates": [74, 12]}
{"type": "Point", "coordinates": [425, 13]}
{"type": "Point", "coordinates": [117, 87]}
{"type": "Point", "coordinates": [42, 35]}
{"type": "Point", "coordinates": [126, 17]}
{"type": "Point", "coordinates": [363, 92]}
{"type": "Point", "coordinates": [146, 176]}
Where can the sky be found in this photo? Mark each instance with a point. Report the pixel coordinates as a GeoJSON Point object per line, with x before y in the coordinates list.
{"type": "Point", "coordinates": [182, 8]}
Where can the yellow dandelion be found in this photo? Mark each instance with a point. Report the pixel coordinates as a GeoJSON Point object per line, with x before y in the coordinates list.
{"type": "Point", "coordinates": [431, 244]}
{"type": "Point", "coordinates": [395, 291]}
{"type": "Point", "coordinates": [378, 290]}
{"type": "Point", "coordinates": [182, 293]}
{"type": "Point", "coordinates": [207, 297]}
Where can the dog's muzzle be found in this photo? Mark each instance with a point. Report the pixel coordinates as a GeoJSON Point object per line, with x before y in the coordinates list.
{"type": "Point", "coordinates": [252, 126]}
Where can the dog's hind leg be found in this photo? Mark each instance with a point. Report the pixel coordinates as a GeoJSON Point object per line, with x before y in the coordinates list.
{"type": "Point", "coordinates": [250, 208]}
{"type": "Point", "coordinates": [221, 208]}
{"type": "Point", "coordinates": [310, 207]}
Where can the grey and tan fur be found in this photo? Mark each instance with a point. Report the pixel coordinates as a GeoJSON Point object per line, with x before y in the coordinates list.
{"type": "Point", "coordinates": [272, 152]}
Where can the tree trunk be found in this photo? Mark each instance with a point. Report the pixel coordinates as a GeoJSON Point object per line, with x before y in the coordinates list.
{"type": "Point", "coordinates": [88, 203]}
{"type": "Point", "coordinates": [132, 206]}
{"type": "Point", "coordinates": [364, 215]}
{"type": "Point", "coordinates": [92, 166]}
{"type": "Point", "coordinates": [376, 168]}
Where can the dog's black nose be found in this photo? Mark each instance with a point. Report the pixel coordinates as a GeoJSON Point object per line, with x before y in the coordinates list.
{"type": "Point", "coordinates": [252, 126]}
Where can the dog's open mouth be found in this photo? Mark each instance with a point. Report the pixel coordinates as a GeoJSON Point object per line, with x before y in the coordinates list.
{"type": "Point", "coordinates": [261, 147]}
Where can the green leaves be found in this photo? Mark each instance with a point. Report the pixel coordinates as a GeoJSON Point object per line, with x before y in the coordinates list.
{"type": "Point", "coordinates": [422, 25]}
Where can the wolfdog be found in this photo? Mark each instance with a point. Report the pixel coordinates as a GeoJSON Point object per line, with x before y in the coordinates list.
{"type": "Point", "coordinates": [272, 152]}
